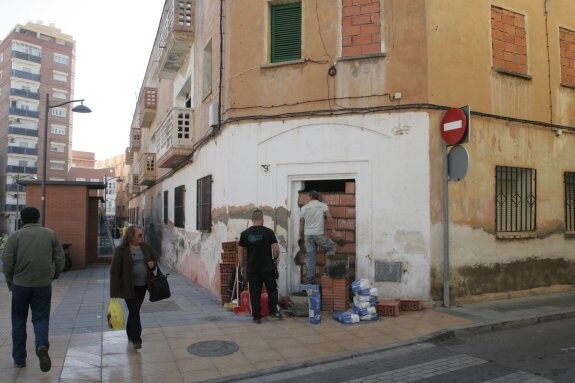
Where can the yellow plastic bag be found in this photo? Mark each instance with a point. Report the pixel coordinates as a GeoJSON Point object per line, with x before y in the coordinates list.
{"type": "Point", "coordinates": [115, 314]}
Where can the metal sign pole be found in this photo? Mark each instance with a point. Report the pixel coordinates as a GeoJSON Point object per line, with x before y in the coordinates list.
{"type": "Point", "coordinates": [445, 227]}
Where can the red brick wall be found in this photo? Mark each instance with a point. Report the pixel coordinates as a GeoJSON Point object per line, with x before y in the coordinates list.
{"type": "Point", "coordinates": [342, 209]}
{"type": "Point", "coordinates": [567, 46]}
{"type": "Point", "coordinates": [509, 41]}
{"type": "Point", "coordinates": [361, 27]}
{"type": "Point", "coordinates": [67, 214]}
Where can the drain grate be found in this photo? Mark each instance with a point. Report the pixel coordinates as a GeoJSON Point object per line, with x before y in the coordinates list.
{"type": "Point", "coordinates": [213, 348]}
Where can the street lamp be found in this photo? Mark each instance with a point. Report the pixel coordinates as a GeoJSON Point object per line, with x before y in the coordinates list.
{"type": "Point", "coordinates": [78, 109]}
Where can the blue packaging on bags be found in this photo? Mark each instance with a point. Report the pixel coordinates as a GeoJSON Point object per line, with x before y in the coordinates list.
{"type": "Point", "coordinates": [359, 311]}
{"type": "Point", "coordinates": [364, 292]}
{"type": "Point", "coordinates": [314, 307]}
{"type": "Point", "coordinates": [360, 284]}
{"type": "Point", "coordinates": [345, 317]}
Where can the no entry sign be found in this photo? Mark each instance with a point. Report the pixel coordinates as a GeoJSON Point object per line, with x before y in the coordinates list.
{"type": "Point", "coordinates": [453, 126]}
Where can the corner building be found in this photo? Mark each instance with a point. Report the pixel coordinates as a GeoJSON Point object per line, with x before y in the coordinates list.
{"type": "Point", "coordinates": [245, 102]}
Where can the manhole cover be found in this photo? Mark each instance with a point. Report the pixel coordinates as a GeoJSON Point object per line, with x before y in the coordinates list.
{"type": "Point", "coordinates": [213, 348]}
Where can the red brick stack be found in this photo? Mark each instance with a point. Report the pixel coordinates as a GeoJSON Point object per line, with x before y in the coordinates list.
{"type": "Point", "coordinates": [389, 308]}
{"type": "Point", "coordinates": [334, 294]}
{"type": "Point", "coordinates": [392, 308]}
{"type": "Point", "coordinates": [407, 304]}
{"type": "Point", "coordinates": [227, 268]}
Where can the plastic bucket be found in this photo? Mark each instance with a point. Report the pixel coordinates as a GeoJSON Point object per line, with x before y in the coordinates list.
{"type": "Point", "coordinates": [337, 265]}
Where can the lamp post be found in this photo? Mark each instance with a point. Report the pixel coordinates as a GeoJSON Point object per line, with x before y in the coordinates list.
{"type": "Point", "coordinates": [78, 109]}
{"type": "Point", "coordinates": [17, 177]}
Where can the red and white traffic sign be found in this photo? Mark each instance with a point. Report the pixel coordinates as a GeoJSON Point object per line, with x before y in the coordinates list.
{"type": "Point", "coordinates": [453, 126]}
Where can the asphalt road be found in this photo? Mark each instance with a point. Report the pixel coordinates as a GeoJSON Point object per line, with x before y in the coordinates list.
{"type": "Point", "coordinates": [542, 353]}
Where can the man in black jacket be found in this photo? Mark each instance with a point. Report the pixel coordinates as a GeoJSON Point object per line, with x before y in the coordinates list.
{"type": "Point", "coordinates": [261, 246]}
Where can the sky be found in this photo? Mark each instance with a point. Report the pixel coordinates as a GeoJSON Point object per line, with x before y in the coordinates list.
{"type": "Point", "coordinates": [114, 39]}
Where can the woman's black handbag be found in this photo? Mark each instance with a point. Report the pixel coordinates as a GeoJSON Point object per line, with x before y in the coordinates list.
{"type": "Point", "coordinates": [158, 286]}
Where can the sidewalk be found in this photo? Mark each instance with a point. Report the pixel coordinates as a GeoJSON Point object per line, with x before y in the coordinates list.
{"type": "Point", "coordinates": [192, 338]}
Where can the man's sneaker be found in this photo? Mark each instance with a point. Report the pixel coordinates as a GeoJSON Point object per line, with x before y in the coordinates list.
{"type": "Point", "coordinates": [20, 365]}
{"type": "Point", "coordinates": [258, 320]}
{"type": "Point", "coordinates": [137, 344]}
{"type": "Point", "coordinates": [45, 362]}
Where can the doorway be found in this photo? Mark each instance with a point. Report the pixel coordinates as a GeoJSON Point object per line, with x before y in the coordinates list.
{"type": "Point", "coordinates": [339, 195]}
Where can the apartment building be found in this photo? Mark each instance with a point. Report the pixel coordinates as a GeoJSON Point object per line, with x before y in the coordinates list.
{"type": "Point", "coordinates": [115, 192]}
{"type": "Point", "coordinates": [246, 102]}
{"type": "Point", "coordinates": [36, 64]}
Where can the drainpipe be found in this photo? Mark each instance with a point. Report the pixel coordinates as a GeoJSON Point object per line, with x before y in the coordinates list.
{"type": "Point", "coordinates": [546, 10]}
{"type": "Point", "coordinates": [221, 64]}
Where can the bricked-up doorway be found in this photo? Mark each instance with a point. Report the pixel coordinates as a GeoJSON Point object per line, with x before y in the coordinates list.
{"type": "Point", "coordinates": [339, 195]}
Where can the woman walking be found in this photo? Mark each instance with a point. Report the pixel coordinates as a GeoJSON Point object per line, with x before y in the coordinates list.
{"type": "Point", "coordinates": [131, 265]}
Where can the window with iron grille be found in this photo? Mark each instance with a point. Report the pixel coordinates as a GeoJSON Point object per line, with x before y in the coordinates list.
{"type": "Point", "coordinates": [166, 207]}
{"type": "Point", "coordinates": [179, 206]}
{"type": "Point", "coordinates": [285, 32]}
{"type": "Point", "coordinates": [569, 180]}
{"type": "Point", "coordinates": [515, 199]}
{"type": "Point", "coordinates": [204, 204]}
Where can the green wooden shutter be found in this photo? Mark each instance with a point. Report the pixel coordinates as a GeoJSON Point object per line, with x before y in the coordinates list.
{"type": "Point", "coordinates": [286, 32]}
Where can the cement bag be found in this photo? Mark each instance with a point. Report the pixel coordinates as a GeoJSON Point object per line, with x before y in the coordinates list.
{"type": "Point", "coordinates": [314, 303]}
{"type": "Point", "coordinates": [115, 314]}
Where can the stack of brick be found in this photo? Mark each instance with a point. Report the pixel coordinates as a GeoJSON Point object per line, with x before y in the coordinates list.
{"type": "Point", "coordinates": [387, 308]}
{"type": "Point", "coordinates": [334, 294]}
{"type": "Point", "coordinates": [227, 268]}
{"type": "Point", "coordinates": [409, 304]}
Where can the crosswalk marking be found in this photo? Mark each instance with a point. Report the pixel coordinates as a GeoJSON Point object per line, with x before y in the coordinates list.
{"type": "Point", "coordinates": [519, 377]}
{"type": "Point", "coordinates": [423, 370]}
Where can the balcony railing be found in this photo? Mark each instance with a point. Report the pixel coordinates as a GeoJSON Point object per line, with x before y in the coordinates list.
{"type": "Point", "coordinates": [22, 131]}
{"type": "Point", "coordinates": [129, 156]}
{"type": "Point", "coordinates": [25, 75]}
{"type": "Point", "coordinates": [22, 150]}
{"type": "Point", "coordinates": [147, 174]}
{"type": "Point", "coordinates": [135, 138]}
{"type": "Point", "coordinates": [24, 112]}
{"type": "Point", "coordinates": [16, 188]}
{"type": "Point", "coordinates": [134, 186]}
{"type": "Point", "coordinates": [26, 56]}
{"type": "Point", "coordinates": [24, 93]}
{"type": "Point", "coordinates": [176, 35]}
{"type": "Point", "coordinates": [147, 107]}
{"type": "Point", "coordinates": [21, 169]}
{"type": "Point", "coordinates": [174, 137]}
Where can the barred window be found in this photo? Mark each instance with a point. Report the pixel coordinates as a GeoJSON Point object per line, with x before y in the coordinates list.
{"type": "Point", "coordinates": [204, 204]}
{"type": "Point", "coordinates": [569, 180]}
{"type": "Point", "coordinates": [515, 199]}
{"type": "Point", "coordinates": [179, 206]}
{"type": "Point", "coordinates": [166, 207]}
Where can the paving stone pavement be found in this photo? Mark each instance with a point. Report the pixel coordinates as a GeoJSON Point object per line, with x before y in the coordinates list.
{"type": "Point", "coordinates": [84, 349]}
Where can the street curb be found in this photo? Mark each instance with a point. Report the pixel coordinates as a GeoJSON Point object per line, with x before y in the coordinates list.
{"type": "Point", "coordinates": [436, 337]}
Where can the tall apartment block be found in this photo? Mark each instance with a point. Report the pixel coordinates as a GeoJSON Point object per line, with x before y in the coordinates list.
{"type": "Point", "coordinates": [36, 61]}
